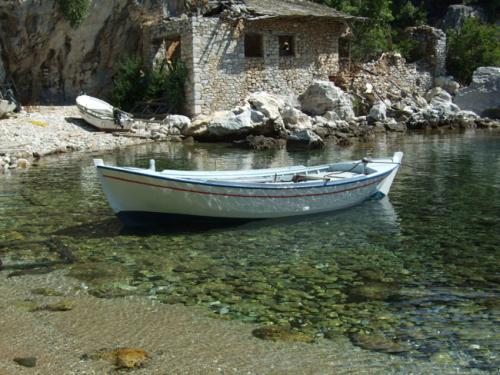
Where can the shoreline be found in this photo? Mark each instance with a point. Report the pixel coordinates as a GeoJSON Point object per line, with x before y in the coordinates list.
{"type": "Point", "coordinates": [48, 130]}
{"type": "Point", "coordinates": [177, 338]}
{"type": "Point", "coordinates": [51, 130]}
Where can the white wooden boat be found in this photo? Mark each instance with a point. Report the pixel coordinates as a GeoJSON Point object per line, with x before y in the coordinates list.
{"type": "Point", "coordinates": [145, 196]}
{"type": "Point", "coordinates": [103, 115]}
{"type": "Point", "coordinates": [6, 106]}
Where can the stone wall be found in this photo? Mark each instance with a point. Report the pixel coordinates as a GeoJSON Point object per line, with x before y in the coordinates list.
{"type": "Point", "coordinates": [432, 46]}
{"type": "Point", "coordinates": [223, 76]}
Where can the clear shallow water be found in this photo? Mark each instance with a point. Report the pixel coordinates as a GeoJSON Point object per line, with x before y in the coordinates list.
{"type": "Point", "coordinates": [416, 275]}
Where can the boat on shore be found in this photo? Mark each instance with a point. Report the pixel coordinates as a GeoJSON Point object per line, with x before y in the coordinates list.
{"type": "Point", "coordinates": [141, 197]}
{"type": "Point", "coordinates": [6, 106]}
{"type": "Point", "coordinates": [103, 115]}
{"type": "Point", "coordinates": [8, 102]}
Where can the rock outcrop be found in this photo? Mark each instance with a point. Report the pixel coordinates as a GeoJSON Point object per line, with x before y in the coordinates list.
{"type": "Point", "coordinates": [448, 84]}
{"type": "Point", "coordinates": [378, 112]}
{"type": "Point", "coordinates": [51, 62]}
{"type": "Point", "coordinates": [483, 94]}
{"type": "Point", "coordinates": [324, 96]}
{"type": "Point", "coordinates": [457, 14]}
{"type": "Point", "coordinates": [226, 125]}
{"type": "Point", "coordinates": [432, 47]}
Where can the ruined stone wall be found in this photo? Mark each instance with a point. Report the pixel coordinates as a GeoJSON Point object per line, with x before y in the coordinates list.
{"type": "Point", "coordinates": [155, 49]}
{"type": "Point", "coordinates": [388, 77]}
{"type": "Point", "coordinates": [223, 76]}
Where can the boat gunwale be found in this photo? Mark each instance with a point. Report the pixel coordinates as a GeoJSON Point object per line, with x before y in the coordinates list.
{"type": "Point", "coordinates": [254, 186]}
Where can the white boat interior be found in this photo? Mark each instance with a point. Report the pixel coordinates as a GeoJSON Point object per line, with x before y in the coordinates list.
{"type": "Point", "coordinates": [296, 174]}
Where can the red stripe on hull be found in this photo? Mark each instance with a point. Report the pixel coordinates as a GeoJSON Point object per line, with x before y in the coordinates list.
{"type": "Point", "coordinates": [375, 181]}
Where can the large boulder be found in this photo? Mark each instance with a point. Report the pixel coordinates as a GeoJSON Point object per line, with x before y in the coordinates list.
{"type": "Point", "coordinates": [177, 123]}
{"type": "Point", "coordinates": [378, 112]}
{"type": "Point", "coordinates": [457, 14]}
{"type": "Point", "coordinates": [305, 138]}
{"type": "Point", "coordinates": [441, 102]}
{"type": "Point", "coordinates": [295, 119]}
{"type": "Point", "coordinates": [271, 106]}
{"type": "Point", "coordinates": [226, 125]}
{"type": "Point", "coordinates": [324, 96]}
{"type": "Point", "coordinates": [483, 94]}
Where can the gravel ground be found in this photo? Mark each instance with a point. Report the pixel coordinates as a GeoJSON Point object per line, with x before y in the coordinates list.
{"type": "Point", "coordinates": [178, 339]}
{"type": "Point", "coordinates": [41, 131]}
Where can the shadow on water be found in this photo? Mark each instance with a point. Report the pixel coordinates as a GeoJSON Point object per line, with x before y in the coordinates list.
{"type": "Point", "coordinates": [113, 227]}
{"type": "Point", "coordinates": [382, 210]}
{"type": "Point", "coordinates": [99, 229]}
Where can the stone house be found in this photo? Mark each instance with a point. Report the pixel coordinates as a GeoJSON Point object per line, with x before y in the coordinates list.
{"type": "Point", "coordinates": [236, 47]}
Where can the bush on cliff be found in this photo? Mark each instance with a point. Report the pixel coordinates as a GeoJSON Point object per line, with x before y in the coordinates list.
{"type": "Point", "coordinates": [74, 11]}
{"type": "Point", "coordinates": [475, 45]}
{"type": "Point", "coordinates": [164, 82]}
{"type": "Point", "coordinates": [129, 83]}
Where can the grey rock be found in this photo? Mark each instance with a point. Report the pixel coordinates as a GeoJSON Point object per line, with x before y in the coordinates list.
{"type": "Point", "coordinates": [440, 101]}
{"type": "Point", "coordinates": [26, 361]}
{"type": "Point", "coordinates": [378, 112]}
{"type": "Point", "coordinates": [331, 116]}
{"type": "Point", "coordinates": [394, 126]}
{"type": "Point", "coordinates": [228, 124]}
{"type": "Point", "coordinates": [305, 138]}
{"type": "Point", "coordinates": [177, 122]}
{"type": "Point", "coordinates": [433, 44]}
{"type": "Point", "coordinates": [294, 119]}
{"type": "Point", "coordinates": [483, 94]}
{"type": "Point", "coordinates": [324, 96]}
{"type": "Point", "coordinates": [457, 14]}
{"type": "Point", "coordinates": [260, 142]}
{"type": "Point", "coordinates": [448, 84]}
{"type": "Point", "coordinates": [270, 105]}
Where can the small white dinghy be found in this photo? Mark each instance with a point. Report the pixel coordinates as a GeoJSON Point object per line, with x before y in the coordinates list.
{"type": "Point", "coordinates": [103, 115]}
{"type": "Point", "coordinates": [145, 196]}
{"type": "Point", "coordinates": [6, 106]}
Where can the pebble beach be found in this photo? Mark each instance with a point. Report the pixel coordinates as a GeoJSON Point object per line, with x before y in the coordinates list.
{"type": "Point", "coordinates": [41, 131]}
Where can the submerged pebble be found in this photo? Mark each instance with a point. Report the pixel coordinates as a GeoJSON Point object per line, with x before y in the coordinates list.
{"type": "Point", "coordinates": [276, 333]}
{"type": "Point", "coordinates": [26, 361]}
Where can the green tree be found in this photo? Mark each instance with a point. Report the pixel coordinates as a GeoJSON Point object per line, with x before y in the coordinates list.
{"type": "Point", "coordinates": [373, 35]}
{"type": "Point", "coordinates": [132, 83]}
{"type": "Point", "coordinates": [74, 11]}
{"type": "Point", "coordinates": [475, 45]}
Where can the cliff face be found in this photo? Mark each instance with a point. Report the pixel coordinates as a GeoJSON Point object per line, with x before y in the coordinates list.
{"type": "Point", "coordinates": [51, 62]}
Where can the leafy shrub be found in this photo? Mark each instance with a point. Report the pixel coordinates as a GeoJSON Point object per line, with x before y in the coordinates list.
{"type": "Point", "coordinates": [174, 85]}
{"type": "Point", "coordinates": [474, 45]}
{"type": "Point", "coordinates": [130, 83]}
{"type": "Point", "coordinates": [74, 11]}
{"type": "Point", "coordinates": [165, 81]}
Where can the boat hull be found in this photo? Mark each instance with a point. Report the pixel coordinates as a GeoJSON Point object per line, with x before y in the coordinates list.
{"type": "Point", "coordinates": [140, 198]}
{"type": "Point", "coordinates": [102, 122]}
{"type": "Point", "coordinates": [101, 115]}
{"type": "Point", "coordinates": [6, 106]}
